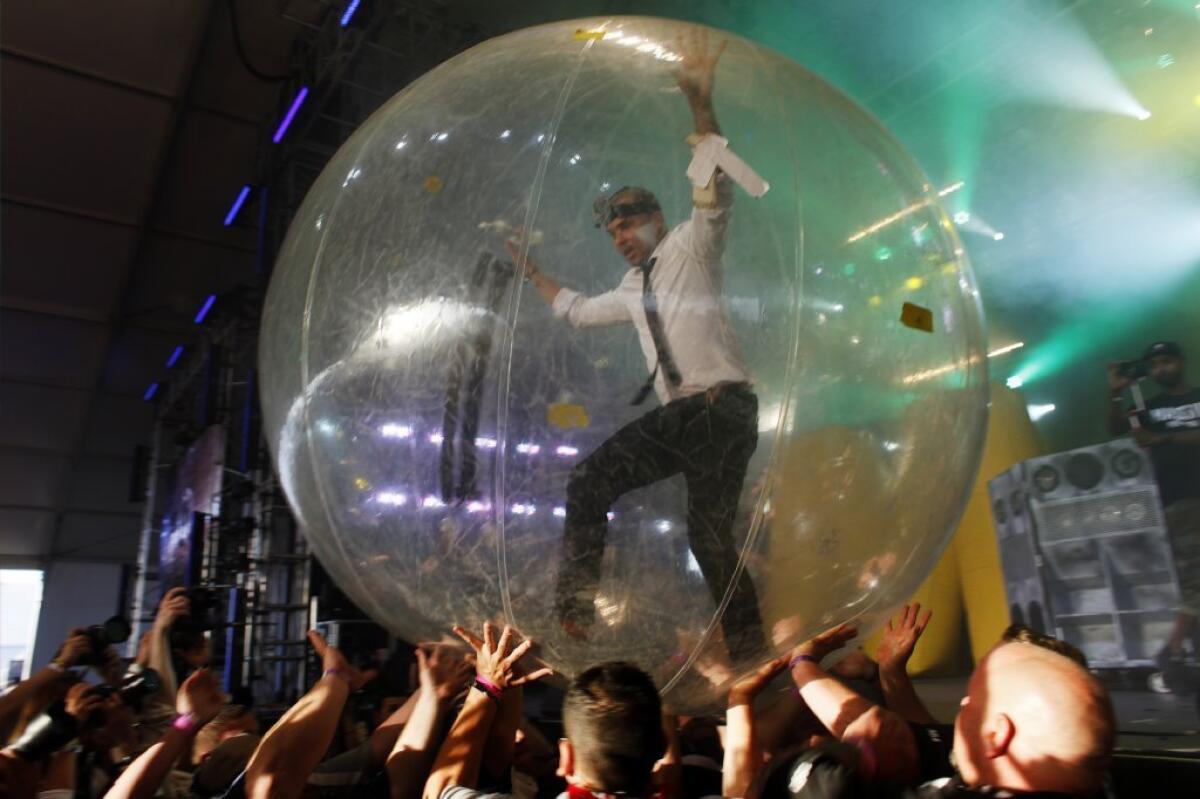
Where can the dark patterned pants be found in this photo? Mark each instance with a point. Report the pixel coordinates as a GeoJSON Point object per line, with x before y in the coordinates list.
{"type": "Point", "coordinates": [708, 438]}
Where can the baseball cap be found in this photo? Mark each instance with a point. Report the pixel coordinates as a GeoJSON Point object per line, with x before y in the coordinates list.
{"type": "Point", "coordinates": [1163, 348]}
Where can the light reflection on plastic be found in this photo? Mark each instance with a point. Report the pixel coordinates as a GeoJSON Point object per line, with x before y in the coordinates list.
{"type": "Point", "coordinates": [432, 502]}
{"type": "Point", "coordinates": [393, 498]}
{"type": "Point", "coordinates": [486, 443]}
{"type": "Point", "coordinates": [566, 452]}
{"type": "Point", "coordinates": [525, 448]}
{"type": "Point", "coordinates": [435, 438]}
{"type": "Point", "coordinates": [396, 431]}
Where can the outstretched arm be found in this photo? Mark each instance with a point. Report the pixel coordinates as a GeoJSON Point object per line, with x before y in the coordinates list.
{"type": "Point", "coordinates": [198, 703]}
{"type": "Point", "coordinates": [885, 740]}
{"type": "Point", "coordinates": [580, 311]}
{"type": "Point", "coordinates": [461, 755]}
{"type": "Point", "coordinates": [896, 647]}
{"type": "Point", "coordinates": [695, 74]}
{"type": "Point", "coordinates": [442, 676]}
{"type": "Point", "coordinates": [293, 747]}
{"type": "Point", "coordinates": [834, 705]}
{"type": "Point", "coordinates": [743, 754]}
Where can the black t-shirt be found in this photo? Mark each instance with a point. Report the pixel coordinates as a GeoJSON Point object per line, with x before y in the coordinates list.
{"type": "Point", "coordinates": [1176, 465]}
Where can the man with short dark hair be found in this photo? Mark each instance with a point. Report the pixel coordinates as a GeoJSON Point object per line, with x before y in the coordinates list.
{"type": "Point", "coordinates": [1169, 428]}
{"type": "Point", "coordinates": [612, 720]}
{"type": "Point", "coordinates": [707, 425]}
{"type": "Point", "coordinates": [612, 717]}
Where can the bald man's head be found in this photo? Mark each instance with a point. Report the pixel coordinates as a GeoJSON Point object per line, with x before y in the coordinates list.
{"type": "Point", "coordinates": [1033, 719]}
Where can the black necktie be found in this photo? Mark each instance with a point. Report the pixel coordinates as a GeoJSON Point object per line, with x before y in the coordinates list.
{"type": "Point", "coordinates": [660, 340]}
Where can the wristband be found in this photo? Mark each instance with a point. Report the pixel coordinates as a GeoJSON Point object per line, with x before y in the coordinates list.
{"type": "Point", "coordinates": [186, 722]}
{"type": "Point", "coordinates": [802, 659]}
{"type": "Point", "coordinates": [339, 673]}
{"type": "Point", "coordinates": [488, 687]}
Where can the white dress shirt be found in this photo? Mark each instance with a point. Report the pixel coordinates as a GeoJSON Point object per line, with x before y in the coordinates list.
{"type": "Point", "coordinates": [687, 281]}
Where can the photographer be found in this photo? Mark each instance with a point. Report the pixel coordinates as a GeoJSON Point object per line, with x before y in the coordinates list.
{"type": "Point", "coordinates": [83, 647]}
{"type": "Point", "coordinates": [1169, 427]}
{"type": "Point", "coordinates": [78, 744]}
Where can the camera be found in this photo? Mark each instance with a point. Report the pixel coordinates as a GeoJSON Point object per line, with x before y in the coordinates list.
{"type": "Point", "coordinates": [55, 728]}
{"type": "Point", "coordinates": [133, 688]}
{"type": "Point", "coordinates": [1133, 370]}
{"type": "Point", "coordinates": [100, 636]}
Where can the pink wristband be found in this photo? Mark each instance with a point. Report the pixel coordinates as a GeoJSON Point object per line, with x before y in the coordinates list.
{"type": "Point", "coordinates": [185, 722]}
{"type": "Point", "coordinates": [490, 688]}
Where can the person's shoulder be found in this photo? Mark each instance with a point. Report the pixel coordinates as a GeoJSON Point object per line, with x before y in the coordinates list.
{"type": "Point", "coordinates": [953, 788]}
{"type": "Point", "coordinates": [1164, 400]}
{"type": "Point", "coordinates": [459, 792]}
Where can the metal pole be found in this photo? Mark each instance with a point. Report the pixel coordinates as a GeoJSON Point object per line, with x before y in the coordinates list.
{"type": "Point", "coordinates": [145, 542]}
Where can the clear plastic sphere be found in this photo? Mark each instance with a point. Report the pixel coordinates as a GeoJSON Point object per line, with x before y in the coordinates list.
{"type": "Point", "coordinates": [425, 406]}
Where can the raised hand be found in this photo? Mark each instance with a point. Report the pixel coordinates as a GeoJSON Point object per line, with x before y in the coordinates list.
{"type": "Point", "coordinates": [527, 267]}
{"type": "Point", "coordinates": [75, 647]}
{"type": "Point", "coordinates": [697, 68]}
{"type": "Point", "coordinates": [822, 644]}
{"type": "Point", "coordinates": [81, 702]}
{"type": "Point", "coordinates": [201, 696]}
{"type": "Point", "coordinates": [496, 658]}
{"type": "Point", "coordinates": [1116, 380]}
{"type": "Point", "coordinates": [441, 671]}
{"type": "Point", "coordinates": [746, 689]}
{"type": "Point", "coordinates": [334, 662]}
{"type": "Point", "coordinates": [900, 638]}
{"type": "Point", "coordinates": [174, 606]}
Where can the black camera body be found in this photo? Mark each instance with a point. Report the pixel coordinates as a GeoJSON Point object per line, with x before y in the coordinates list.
{"type": "Point", "coordinates": [115, 630]}
{"type": "Point", "coordinates": [55, 728]}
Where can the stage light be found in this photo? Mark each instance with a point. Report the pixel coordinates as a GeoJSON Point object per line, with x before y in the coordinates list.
{"type": "Point", "coordinates": [1014, 382]}
{"type": "Point", "coordinates": [205, 308]}
{"type": "Point", "coordinates": [938, 371]}
{"type": "Point", "coordinates": [913, 283]}
{"type": "Point", "coordinates": [175, 356]}
{"type": "Point", "coordinates": [348, 14]}
{"type": "Point", "coordinates": [1037, 412]}
{"type": "Point", "coordinates": [887, 220]}
{"type": "Point", "coordinates": [392, 430]}
{"type": "Point", "coordinates": [237, 205]}
{"type": "Point", "coordinates": [1006, 349]}
{"type": "Point", "coordinates": [962, 217]}
{"type": "Point", "coordinates": [1142, 115]}
{"type": "Point", "coordinates": [290, 115]}
{"type": "Point", "coordinates": [150, 392]}
{"type": "Point", "coordinates": [997, 236]}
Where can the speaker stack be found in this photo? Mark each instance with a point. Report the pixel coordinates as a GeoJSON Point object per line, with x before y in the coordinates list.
{"type": "Point", "coordinates": [1085, 551]}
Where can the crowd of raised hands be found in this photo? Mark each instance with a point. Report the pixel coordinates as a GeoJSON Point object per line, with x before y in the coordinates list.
{"type": "Point", "coordinates": [855, 730]}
